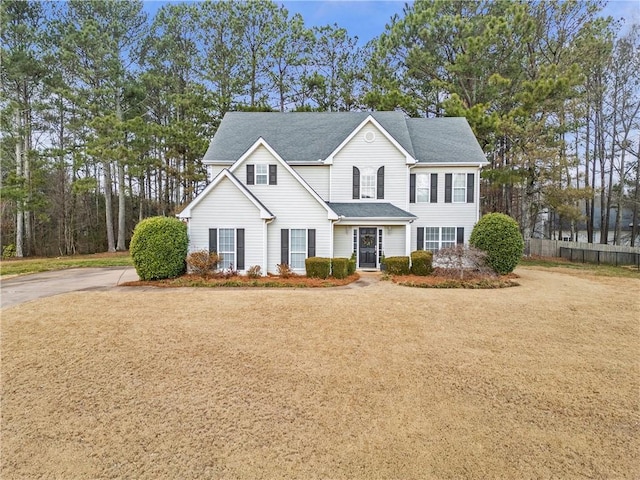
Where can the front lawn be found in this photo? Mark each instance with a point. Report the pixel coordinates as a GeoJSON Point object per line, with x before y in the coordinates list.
{"type": "Point", "coordinates": [384, 382]}
{"type": "Point", "coordinates": [17, 266]}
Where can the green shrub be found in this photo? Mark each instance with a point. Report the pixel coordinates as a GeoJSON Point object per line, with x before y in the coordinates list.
{"type": "Point", "coordinates": [340, 267]}
{"type": "Point", "coordinates": [351, 268]}
{"type": "Point", "coordinates": [422, 263]}
{"type": "Point", "coordinates": [499, 236]}
{"type": "Point", "coordinates": [9, 251]}
{"type": "Point", "coordinates": [397, 265]}
{"type": "Point", "coordinates": [203, 262]}
{"type": "Point", "coordinates": [318, 267]}
{"type": "Point", "coordinates": [159, 248]}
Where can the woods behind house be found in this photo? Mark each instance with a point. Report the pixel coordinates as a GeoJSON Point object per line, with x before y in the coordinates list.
{"type": "Point", "coordinates": [107, 112]}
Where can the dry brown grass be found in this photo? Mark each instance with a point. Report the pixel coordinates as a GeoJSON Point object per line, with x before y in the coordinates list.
{"type": "Point", "coordinates": [538, 381]}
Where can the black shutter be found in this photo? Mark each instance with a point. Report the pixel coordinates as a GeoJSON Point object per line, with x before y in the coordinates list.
{"type": "Point", "coordinates": [284, 246]}
{"type": "Point", "coordinates": [213, 240]}
{"type": "Point", "coordinates": [412, 188]}
{"type": "Point", "coordinates": [250, 176]}
{"type": "Point", "coordinates": [448, 178]}
{"type": "Point", "coordinates": [356, 183]}
{"type": "Point", "coordinates": [311, 242]}
{"type": "Point", "coordinates": [460, 235]}
{"type": "Point", "coordinates": [273, 174]}
{"type": "Point", "coordinates": [434, 188]}
{"type": "Point", "coordinates": [420, 245]}
{"type": "Point", "coordinates": [470, 185]}
{"type": "Point", "coordinates": [380, 194]}
{"type": "Point", "coordinates": [240, 249]}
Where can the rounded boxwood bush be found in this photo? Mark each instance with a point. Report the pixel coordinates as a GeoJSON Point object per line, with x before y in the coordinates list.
{"type": "Point", "coordinates": [422, 263]}
{"type": "Point", "coordinates": [159, 248]}
{"type": "Point", "coordinates": [499, 236]}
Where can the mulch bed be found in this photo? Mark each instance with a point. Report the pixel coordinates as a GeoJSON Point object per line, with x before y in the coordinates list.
{"type": "Point", "coordinates": [444, 278]}
{"type": "Point", "coordinates": [270, 281]}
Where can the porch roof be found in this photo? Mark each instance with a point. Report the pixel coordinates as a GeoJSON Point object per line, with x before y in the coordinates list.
{"type": "Point", "coordinates": [370, 210]}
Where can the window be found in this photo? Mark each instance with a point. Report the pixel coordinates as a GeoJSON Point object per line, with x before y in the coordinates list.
{"type": "Point", "coordinates": [437, 238]}
{"type": "Point", "coordinates": [368, 183]}
{"type": "Point", "coordinates": [298, 248]}
{"type": "Point", "coordinates": [227, 247]}
{"type": "Point", "coordinates": [459, 187]}
{"type": "Point", "coordinates": [262, 174]}
{"type": "Point", "coordinates": [432, 239]}
{"type": "Point", "coordinates": [447, 237]}
{"type": "Point", "coordinates": [422, 187]}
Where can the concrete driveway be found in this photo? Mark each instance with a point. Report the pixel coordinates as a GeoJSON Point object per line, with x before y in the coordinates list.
{"type": "Point", "coordinates": [38, 285]}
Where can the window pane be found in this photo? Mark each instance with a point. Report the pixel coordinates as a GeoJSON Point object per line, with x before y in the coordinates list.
{"type": "Point", "coordinates": [262, 174]}
{"type": "Point", "coordinates": [368, 183]}
{"type": "Point", "coordinates": [298, 248]}
{"type": "Point", "coordinates": [432, 238]}
{"type": "Point", "coordinates": [459, 188]}
{"type": "Point", "coordinates": [448, 237]}
{"type": "Point", "coordinates": [297, 260]}
{"type": "Point", "coordinates": [227, 247]}
{"type": "Point", "coordinates": [422, 187]}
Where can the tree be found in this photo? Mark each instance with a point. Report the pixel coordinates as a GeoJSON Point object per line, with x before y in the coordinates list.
{"type": "Point", "coordinates": [23, 75]}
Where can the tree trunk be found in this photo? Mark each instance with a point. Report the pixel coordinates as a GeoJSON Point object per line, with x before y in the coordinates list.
{"type": "Point", "coordinates": [111, 244]}
{"type": "Point", "coordinates": [19, 201]}
{"type": "Point", "coordinates": [635, 230]}
{"type": "Point", "coordinates": [121, 189]}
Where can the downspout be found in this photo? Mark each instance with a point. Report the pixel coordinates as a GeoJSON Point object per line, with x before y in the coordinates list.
{"type": "Point", "coordinates": [477, 193]}
{"type": "Point", "coordinates": [265, 245]}
{"type": "Point", "coordinates": [331, 234]}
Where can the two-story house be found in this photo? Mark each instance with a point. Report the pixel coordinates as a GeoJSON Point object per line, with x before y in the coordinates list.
{"type": "Point", "coordinates": [287, 186]}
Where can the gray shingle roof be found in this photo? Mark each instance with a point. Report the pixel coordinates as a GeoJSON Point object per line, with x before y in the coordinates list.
{"type": "Point", "coordinates": [448, 139]}
{"type": "Point", "coordinates": [369, 210]}
{"type": "Point", "coordinates": [313, 136]}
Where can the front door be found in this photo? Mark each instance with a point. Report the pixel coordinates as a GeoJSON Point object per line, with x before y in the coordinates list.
{"type": "Point", "coordinates": [367, 248]}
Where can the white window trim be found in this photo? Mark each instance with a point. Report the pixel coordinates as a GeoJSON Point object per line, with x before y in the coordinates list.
{"type": "Point", "coordinates": [306, 248]}
{"type": "Point", "coordinates": [235, 247]}
{"type": "Point", "coordinates": [428, 188]}
{"type": "Point", "coordinates": [463, 188]}
{"type": "Point", "coordinates": [374, 176]}
{"type": "Point", "coordinates": [440, 240]}
{"type": "Point", "coordinates": [260, 175]}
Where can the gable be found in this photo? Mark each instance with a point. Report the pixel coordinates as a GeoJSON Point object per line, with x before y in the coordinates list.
{"type": "Point", "coordinates": [370, 137]}
{"type": "Point", "coordinates": [289, 181]}
{"type": "Point", "coordinates": [239, 191]}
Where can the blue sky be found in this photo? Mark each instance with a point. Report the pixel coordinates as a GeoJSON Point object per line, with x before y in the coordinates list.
{"type": "Point", "coordinates": [366, 19]}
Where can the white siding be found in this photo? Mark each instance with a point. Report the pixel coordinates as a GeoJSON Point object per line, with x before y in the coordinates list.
{"type": "Point", "coordinates": [343, 240]}
{"type": "Point", "coordinates": [214, 170]}
{"type": "Point", "coordinates": [292, 205]}
{"type": "Point", "coordinates": [227, 207]}
{"type": "Point", "coordinates": [445, 214]}
{"type": "Point", "coordinates": [363, 154]}
{"type": "Point", "coordinates": [316, 176]}
{"type": "Point", "coordinates": [393, 241]}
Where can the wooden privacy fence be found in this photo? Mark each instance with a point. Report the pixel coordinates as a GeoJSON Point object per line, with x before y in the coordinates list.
{"type": "Point", "coordinates": [584, 252]}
